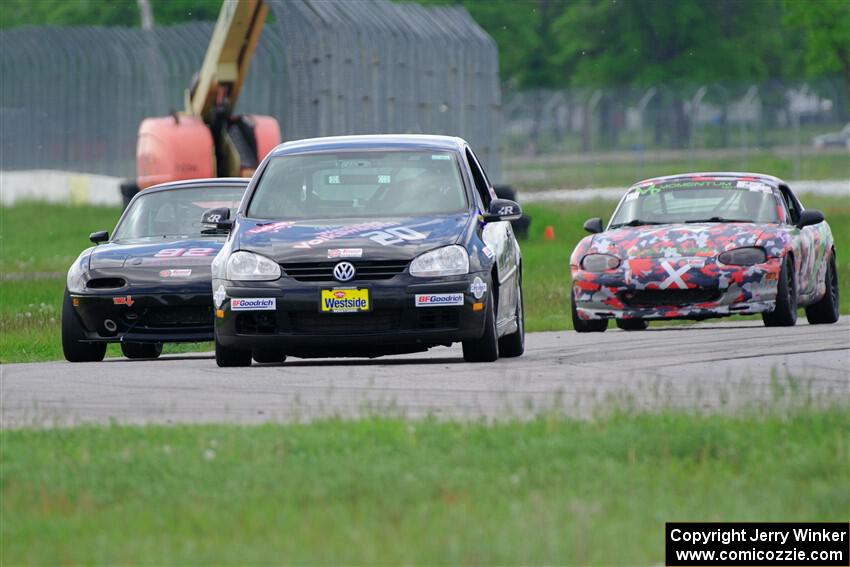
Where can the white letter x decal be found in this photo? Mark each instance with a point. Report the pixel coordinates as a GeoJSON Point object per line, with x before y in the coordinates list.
{"type": "Point", "coordinates": [675, 275]}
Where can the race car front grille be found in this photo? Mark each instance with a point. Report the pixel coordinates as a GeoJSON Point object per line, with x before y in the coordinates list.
{"type": "Point", "coordinates": [438, 318]}
{"type": "Point", "coordinates": [323, 271]}
{"type": "Point", "coordinates": [345, 323]}
{"type": "Point", "coordinates": [158, 317]}
{"type": "Point", "coordinates": [256, 323]}
{"type": "Point", "coordinates": [668, 297]}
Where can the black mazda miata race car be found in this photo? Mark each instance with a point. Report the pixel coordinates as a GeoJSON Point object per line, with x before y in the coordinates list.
{"type": "Point", "coordinates": [149, 283]}
{"type": "Point", "coordinates": [366, 246]}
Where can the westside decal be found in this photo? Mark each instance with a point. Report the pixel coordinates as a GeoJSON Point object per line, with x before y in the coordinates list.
{"type": "Point", "coordinates": [123, 300]}
{"type": "Point", "coordinates": [438, 299]}
{"type": "Point", "coordinates": [253, 304]}
{"type": "Point", "coordinates": [345, 300]}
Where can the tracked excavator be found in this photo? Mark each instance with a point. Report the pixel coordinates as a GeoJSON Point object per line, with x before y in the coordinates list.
{"type": "Point", "coordinates": [206, 139]}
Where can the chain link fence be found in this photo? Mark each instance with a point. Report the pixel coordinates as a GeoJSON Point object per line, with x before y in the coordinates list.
{"type": "Point", "coordinates": [72, 98]}
{"type": "Point", "coordinates": [697, 117]}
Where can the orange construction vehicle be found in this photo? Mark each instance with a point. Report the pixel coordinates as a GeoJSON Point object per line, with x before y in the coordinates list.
{"type": "Point", "coordinates": [206, 139]}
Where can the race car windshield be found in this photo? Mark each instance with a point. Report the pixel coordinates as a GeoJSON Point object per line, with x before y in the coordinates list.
{"type": "Point", "coordinates": [363, 184]}
{"type": "Point", "coordinates": [697, 201]}
{"type": "Point", "coordinates": [175, 213]}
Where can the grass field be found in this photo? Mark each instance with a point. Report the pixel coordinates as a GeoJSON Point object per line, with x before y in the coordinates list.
{"type": "Point", "coordinates": [43, 238]}
{"type": "Point", "coordinates": [378, 491]}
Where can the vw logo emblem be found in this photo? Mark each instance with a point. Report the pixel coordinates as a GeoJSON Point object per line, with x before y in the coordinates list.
{"type": "Point", "coordinates": [344, 271]}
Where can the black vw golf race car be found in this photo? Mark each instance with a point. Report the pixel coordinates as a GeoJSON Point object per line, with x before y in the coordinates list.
{"type": "Point", "coordinates": [149, 283]}
{"type": "Point", "coordinates": [367, 246]}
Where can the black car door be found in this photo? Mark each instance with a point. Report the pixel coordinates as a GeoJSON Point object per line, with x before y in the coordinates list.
{"type": "Point", "coordinates": [499, 237]}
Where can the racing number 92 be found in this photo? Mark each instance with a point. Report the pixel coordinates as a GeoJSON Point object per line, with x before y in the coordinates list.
{"type": "Point", "coordinates": [185, 252]}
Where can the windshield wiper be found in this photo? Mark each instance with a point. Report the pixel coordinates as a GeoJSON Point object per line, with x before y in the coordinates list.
{"type": "Point", "coordinates": [214, 231]}
{"type": "Point", "coordinates": [634, 222]}
{"type": "Point", "coordinates": [717, 219]}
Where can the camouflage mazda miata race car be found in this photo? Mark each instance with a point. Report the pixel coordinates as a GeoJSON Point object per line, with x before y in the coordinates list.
{"type": "Point", "coordinates": [705, 245]}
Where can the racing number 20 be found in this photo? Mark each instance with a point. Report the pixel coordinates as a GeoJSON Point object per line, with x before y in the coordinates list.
{"type": "Point", "coordinates": [395, 235]}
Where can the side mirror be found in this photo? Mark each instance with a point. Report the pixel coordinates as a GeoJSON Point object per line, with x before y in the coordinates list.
{"type": "Point", "coordinates": [810, 217]}
{"type": "Point", "coordinates": [503, 210]}
{"type": "Point", "coordinates": [99, 236]}
{"type": "Point", "coordinates": [218, 218]}
{"type": "Point", "coordinates": [594, 225]}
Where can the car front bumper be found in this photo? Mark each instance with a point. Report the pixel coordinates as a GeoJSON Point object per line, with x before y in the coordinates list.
{"type": "Point", "coordinates": [394, 324]}
{"type": "Point", "coordinates": [146, 317]}
{"type": "Point", "coordinates": [675, 288]}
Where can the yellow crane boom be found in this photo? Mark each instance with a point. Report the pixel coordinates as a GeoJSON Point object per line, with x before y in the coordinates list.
{"type": "Point", "coordinates": [232, 45]}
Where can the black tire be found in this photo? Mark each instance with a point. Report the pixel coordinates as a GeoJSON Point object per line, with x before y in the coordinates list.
{"type": "Point", "coordinates": [632, 324]}
{"type": "Point", "coordinates": [141, 350]}
{"type": "Point", "coordinates": [513, 345]}
{"type": "Point", "coordinates": [227, 357]}
{"type": "Point", "coordinates": [486, 348]}
{"type": "Point", "coordinates": [785, 312]}
{"type": "Point", "coordinates": [268, 356]}
{"type": "Point", "coordinates": [582, 326]}
{"type": "Point", "coordinates": [825, 311]}
{"type": "Point", "coordinates": [74, 346]}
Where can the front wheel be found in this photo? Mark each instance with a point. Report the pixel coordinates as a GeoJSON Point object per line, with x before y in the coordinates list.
{"type": "Point", "coordinates": [582, 325]}
{"type": "Point", "coordinates": [226, 357]}
{"type": "Point", "coordinates": [486, 348]}
{"type": "Point", "coordinates": [74, 346]}
{"type": "Point", "coordinates": [632, 324]}
{"type": "Point", "coordinates": [141, 350]}
{"type": "Point", "coordinates": [513, 345]}
{"type": "Point", "coordinates": [785, 312]}
{"type": "Point", "coordinates": [826, 310]}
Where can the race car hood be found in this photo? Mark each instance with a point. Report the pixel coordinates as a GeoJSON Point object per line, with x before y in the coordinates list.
{"type": "Point", "coordinates": [373, 239]}
{"type": "Point", "coordinates": [157, 261]}
{"type": "Point", "coordinates": [672, 240]}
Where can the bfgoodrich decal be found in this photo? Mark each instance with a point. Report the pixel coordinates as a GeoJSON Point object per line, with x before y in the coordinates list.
{"type": "Point", "coordinates": [253, 304]}
{"type": "Point", "coordinates": [438, 299]}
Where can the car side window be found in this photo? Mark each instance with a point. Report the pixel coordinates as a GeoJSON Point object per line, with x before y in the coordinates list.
{"type": "Point", "coordinates": [482, 186]}
{"type": "Point", "coordinates": [791, 205]}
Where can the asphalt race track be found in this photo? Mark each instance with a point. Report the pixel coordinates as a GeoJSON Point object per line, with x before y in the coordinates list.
{"type": "Point", "coordinates": [705, 367]}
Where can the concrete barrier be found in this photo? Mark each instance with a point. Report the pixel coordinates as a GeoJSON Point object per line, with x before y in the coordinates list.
{"type": "Point", "coordinates": [59, 187]}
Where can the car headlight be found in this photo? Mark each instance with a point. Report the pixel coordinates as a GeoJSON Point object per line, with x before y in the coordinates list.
{"type": "Point", "coordinates": [77, 275]}
{"type": "Point", "coordinates": [249, 266]}
{"type": "Point", "coordinates": [599, 262]}
{"type": "Point", "coordinates": [743, 256]}
{"type": "Point", "coordinates": [447, 261]}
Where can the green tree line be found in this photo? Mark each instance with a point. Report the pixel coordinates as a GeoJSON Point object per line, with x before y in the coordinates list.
{"type": "Point", "coordinates": [559, 43]}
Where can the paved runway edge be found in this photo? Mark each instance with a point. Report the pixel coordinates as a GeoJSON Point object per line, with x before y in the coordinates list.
{"type": "Point", "coordinates": [710, 367]}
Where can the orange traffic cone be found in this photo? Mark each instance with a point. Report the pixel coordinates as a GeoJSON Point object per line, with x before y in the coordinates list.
{"type": "Point", "coordinates": [549, 233]}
